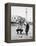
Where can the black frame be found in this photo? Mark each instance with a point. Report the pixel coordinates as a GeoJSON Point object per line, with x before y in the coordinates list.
{"type": "Point", "coordinates": [8, 20]}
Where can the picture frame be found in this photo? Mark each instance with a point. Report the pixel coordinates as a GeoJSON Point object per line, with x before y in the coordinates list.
{"type": "Point", "coordinates": [12, 6]}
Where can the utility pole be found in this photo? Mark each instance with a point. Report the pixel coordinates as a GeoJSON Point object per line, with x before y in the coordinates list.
{"type": "Point", "coordinates": [26, 14]}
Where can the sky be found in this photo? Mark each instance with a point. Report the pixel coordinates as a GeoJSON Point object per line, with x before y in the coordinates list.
{"type": "Point", "coordinates": [21, 11]}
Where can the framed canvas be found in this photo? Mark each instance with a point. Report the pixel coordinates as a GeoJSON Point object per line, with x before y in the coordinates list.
{"type": "Point", "coordinates": [19, 22]}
